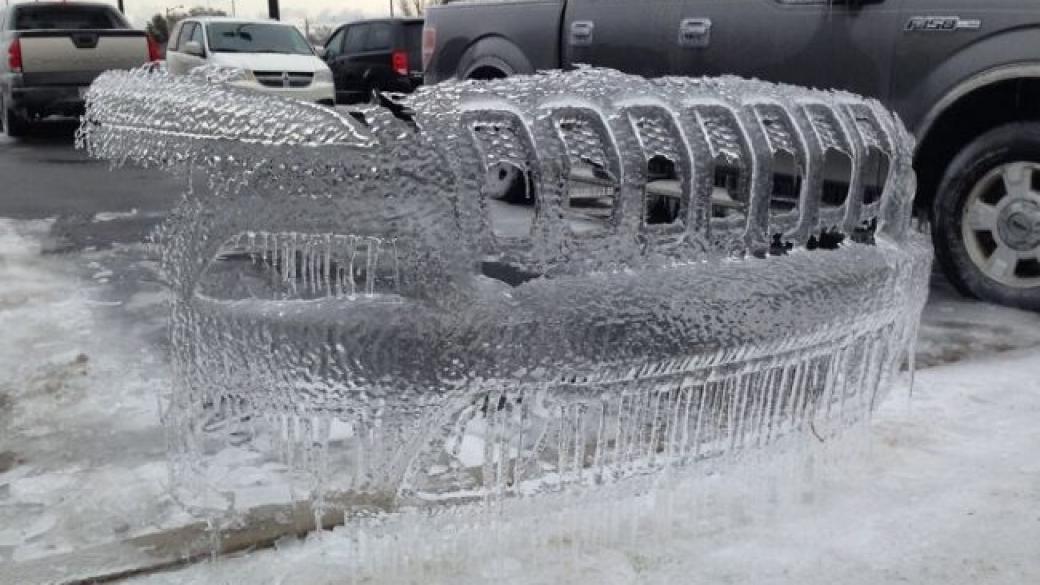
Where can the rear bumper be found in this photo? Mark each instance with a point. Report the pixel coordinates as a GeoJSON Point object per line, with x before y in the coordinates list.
{"type": "Point", "coordinates": [43, 100]}
{"type": "Point", "coordinates": [353, 93]}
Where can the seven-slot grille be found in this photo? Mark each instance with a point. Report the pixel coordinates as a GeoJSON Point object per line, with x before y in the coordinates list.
{"type": "Point", "coordinates": [284, 79]}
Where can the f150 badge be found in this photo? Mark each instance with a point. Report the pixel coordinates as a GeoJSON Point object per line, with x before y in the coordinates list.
{"type": "Point", "coordinates": [941, 24]}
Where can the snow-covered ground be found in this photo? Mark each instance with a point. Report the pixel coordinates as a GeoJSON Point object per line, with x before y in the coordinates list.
{"type": "Point", "coordinates": [81, 449]}
{"type": "Point", "coordinates": [946, 490]}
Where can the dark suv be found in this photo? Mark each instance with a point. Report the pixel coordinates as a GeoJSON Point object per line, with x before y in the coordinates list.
{"type": "Point", "coordinates": [964, 75]}
{"type": "Point", "coordinates": [375, 55]}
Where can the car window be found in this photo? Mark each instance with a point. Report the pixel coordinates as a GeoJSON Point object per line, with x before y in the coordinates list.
{"type": "Point", "coordinates": [334, 46]}
{"type": "Point", "coordinates": [256, 37]}
{"type": "Point", "coordinates": [66, 17]}
{"type": "Point", "coordinates": [196, 35]}
{"type": "Point", "coordinates": [185, 36]}
{"type": "Point", "coordinates": [413, 32]}
{"type": "Point", "coordinates": [355, 42]}
{"type": "Point", "coordinates": [378, 37]}
{"type": "Point", "coordinates": [171, 45]}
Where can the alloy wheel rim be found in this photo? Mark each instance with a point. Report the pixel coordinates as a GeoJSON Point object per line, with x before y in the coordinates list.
{"type": "Point", "coordinates": [499, 179]}
{"type": "Point", "coordinates": [1001, 224]}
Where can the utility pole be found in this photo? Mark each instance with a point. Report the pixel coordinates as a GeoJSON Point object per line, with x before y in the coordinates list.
{"type": "Point", "coordinates": [121, 9]}
{"type": "Point", "coordinates": [391, 8]}
{"type": "Point", "coordinates": [272, 10]}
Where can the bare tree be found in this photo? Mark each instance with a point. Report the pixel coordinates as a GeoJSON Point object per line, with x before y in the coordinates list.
{"type": "Point", "coordinates": [317, 34]}
{"type": "Point", "coordinates": [416, 7]}
{"type": "Point", "coordinates": [159, 28]}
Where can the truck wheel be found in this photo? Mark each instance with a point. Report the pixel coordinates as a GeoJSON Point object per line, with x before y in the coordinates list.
{"type": "Point", "coordinates": [14, 125]}
{"type": "Point", "coordinates": [506, 182]}
{"type": "Point", "coordinates": [987, 217]}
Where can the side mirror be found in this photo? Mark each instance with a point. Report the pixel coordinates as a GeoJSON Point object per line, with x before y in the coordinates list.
{"type": "Point", "coordinates": [321, 52]}
{"type": "Point", "coordinates": [193, 48]}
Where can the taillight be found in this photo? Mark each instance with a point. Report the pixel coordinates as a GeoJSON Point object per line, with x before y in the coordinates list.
{"type": "Point", "coordinates": [14, 56]}
{"type": "Point", "coordinates": [154, 50]}
{"type": "Point", "coordinates": [399, 61]}
{"type": "Point", "coordinates": [429, 43]}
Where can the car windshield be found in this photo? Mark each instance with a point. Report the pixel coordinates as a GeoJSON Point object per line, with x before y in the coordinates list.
{"type": "Point", "coordinates": [250, 37]}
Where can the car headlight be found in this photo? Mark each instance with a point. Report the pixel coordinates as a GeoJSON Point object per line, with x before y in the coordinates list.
{"type": "Point", "coordinates": [323, 76]}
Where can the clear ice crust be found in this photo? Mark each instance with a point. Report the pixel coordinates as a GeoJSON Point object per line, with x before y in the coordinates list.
{"type": "Point", "coordinates": [507, 287]}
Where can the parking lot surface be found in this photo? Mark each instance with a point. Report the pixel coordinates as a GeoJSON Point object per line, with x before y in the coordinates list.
{"type": "Point", "coordinates": [46, 177]}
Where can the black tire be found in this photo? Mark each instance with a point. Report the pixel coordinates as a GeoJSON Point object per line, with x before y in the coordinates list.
{"type": "Point", "coordinates": [507, 183]}
{"type": "Point", "coordinates": [965, 178]}
{"type": "Point", "coordinates": [14, 125]}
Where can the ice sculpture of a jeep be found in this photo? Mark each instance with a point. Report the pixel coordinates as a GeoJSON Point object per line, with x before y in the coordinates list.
{"type": "Point", "coordinates": [697, 267]}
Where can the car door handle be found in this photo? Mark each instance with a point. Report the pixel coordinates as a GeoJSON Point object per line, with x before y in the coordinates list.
{"type": "Point", "coordinates": [695, 33]}
{"type": "Point", "coordinates": [581, 33]}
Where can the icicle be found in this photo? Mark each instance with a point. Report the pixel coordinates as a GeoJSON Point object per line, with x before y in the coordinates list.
{"type": "Point", "coordinates": [352, 266]}
{"type": "Point", "coordinates": [326, 269]}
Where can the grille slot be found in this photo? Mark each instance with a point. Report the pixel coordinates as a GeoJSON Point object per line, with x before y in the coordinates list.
{"type": "Point", "coordinates": [284, 79]}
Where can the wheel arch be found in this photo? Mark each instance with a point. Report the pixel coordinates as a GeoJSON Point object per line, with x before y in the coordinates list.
{"type": "Point", "coordinates": [493, 53]}
{"type": "Point", "coordinates": [972, 107]}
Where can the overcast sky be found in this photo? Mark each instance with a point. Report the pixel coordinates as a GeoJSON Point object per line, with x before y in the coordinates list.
{"type": "Point", "coordinates": [318, 11]}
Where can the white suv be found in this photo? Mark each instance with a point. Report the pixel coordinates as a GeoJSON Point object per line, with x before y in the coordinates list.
{"type": "Point", "coordinates": [275, 56]}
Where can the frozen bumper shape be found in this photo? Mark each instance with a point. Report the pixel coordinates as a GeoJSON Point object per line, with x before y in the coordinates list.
{"type": "Point", "coordinates": [354, 266]}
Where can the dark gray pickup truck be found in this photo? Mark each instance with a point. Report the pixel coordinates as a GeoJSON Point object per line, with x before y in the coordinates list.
{"type": "Point", "coordinates": [963, 74]}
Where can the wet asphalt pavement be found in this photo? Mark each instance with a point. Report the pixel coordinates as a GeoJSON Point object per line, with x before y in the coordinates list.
{"type": "Point", "coordinates": [45, 177]}
{"type": "Point", "coordinates": [100, 220]}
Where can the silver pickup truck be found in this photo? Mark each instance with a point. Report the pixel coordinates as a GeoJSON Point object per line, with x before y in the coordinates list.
{"type": "Point", "coordinates": [50, 53]}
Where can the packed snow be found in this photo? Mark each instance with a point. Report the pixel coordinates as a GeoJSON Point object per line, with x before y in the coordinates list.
{"type": "Point", "coordinates": [81, 449]}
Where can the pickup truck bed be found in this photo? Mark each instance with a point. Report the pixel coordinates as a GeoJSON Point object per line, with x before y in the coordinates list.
{"type": "Point", "coordinates": [500, 31]}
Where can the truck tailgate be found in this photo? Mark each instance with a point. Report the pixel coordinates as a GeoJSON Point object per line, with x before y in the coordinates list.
{"type": "Point", "coordinates": [86, 52]}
